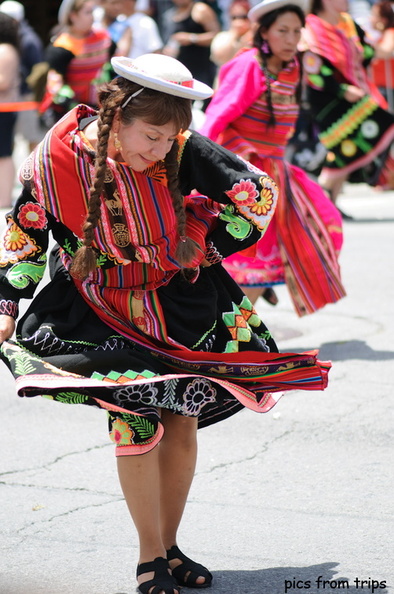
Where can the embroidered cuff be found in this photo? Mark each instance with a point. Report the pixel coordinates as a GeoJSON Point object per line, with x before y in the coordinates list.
{"type": "Point", "coordinates": [211, 254]}
{"type": "Point", "coordinates": [9, 308]}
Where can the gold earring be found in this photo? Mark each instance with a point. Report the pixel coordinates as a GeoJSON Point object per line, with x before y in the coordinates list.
{"type": "Point", "coordinates": [117, 144]}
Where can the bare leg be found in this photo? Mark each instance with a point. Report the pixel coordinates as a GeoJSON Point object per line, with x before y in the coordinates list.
{"type": "Point", "coordinates": [177, 455]}
{"type": "Point", "coordinates": [332, 186]}
{"type": "Point", "coordinates": [253, 293]}
{"type": "Point", "coordinates": [7, 177]}
{"type": "Point", "coordinates": [140, 481]}
{"type": "Point", "coordinates": [156, 486]}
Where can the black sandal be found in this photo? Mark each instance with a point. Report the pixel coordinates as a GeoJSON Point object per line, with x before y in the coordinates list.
{"type": "Point", "coordinates": [162, 581]}
{"type": "Point", "coordinates": [188, 571]}
{"type": "Point", "coordinates": [270, 296]}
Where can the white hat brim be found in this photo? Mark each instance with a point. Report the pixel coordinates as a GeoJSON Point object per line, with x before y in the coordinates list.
{"type": "Point", "coordinates": [267, 6]}
{"type": "Point", "coordinates": [64, 11]}
{"type": "Point", "coordinates": [198, 90]}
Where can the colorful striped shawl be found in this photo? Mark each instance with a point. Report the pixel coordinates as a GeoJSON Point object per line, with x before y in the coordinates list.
{"type": "Point", "coordinates": [137, 222]}
{"type": "Point", "coordinates": [340, 45]}
{"type": "Point", "coordinates": [250, 132]}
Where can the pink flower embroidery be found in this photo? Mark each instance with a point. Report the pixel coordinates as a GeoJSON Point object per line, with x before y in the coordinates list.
{"type": "Point", "coordinates": [312, 63]}
{"type": "Point", "coordinates": [243, 193]}
{"type": "Point", "coordinates": [33, 215]}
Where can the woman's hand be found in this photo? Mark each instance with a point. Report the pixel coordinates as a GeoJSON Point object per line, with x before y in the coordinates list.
{"type": "Point", "coordinates": [7, 327]}
{"type": "Point", "coordinates": [353, 94]}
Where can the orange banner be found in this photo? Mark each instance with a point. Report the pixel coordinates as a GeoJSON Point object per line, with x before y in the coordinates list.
{"type": "Point", "coordinates": [19, 106]}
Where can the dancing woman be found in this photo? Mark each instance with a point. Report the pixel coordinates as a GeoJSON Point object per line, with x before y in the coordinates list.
{"type": "Point", "coordinates": [253, 113]}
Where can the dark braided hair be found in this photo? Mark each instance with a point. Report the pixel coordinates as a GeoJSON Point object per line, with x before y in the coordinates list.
{"type": "Point", "coordinates": [186, 248]}
{"type": "Point", "coordinates": [154, 108]}
{"type": "Point", "coordinates": [264, 23]}
{"type": "Point", "coordinates": [316, 7]}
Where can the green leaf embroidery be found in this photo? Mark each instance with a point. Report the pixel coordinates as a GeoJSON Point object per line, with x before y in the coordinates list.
{"type": "Point", "coordinates": [22, 274]}
{"type": "Point", "coordinates": [265, 335]}
{"type": "Point", "coordinates": [71, 397]}
{"type": "Point", "coordinates": [23, 363]}
{"type": "Point", "coordinates": [316, 80]}
{"type": "Point", "coordinates": [238, 227]}
{"type": "Point", "coordinates": [101, 260]}
{"type": "Point", "coordinates": [326, 71]}
{"type": "Point", "coordinates": [142, 426]}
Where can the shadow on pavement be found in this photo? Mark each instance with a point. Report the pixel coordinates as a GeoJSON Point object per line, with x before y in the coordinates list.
{"type": "Point", "coordinates": [315, 579]}
{"type": "Point", "coordinates": [369, 220]}
{"type": "Point", "coordinates": [352, 349]}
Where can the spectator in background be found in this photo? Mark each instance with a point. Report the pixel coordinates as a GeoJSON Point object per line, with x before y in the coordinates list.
{"type": "Point", "coordinates": [156, 9]}
{"type": "Point", "coordinates": [31, 53]}
{"type": "Point", "coordinates": [189, 28]}
{"type": "Point", "coordinates": [382, 66]}
{"type": "Point", "coordinates": [77, 60]}
{"type": "Point", "coordinates": [9, 93]}
{"type": "Point", "coordinates": [354, 124]}
{"type": "Point", "coordinates": [227, 43]}
{"type": "Point", "coordinates": [142, 33]}
{"type": "Point", "coordinates": [107, 14]}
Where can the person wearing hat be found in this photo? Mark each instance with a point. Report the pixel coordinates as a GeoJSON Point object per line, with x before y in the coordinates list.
{"type": "Point", "coordinates": [77, 58]}
{"type": "Point", "coordinates": [253, 113]}
{"type": "Point", "coordinates": [9, 91]}
{"type": "Point", "coordinates": [139, 317]}
{"type": "Point", "coordinates": [31, 53]}
{"type": "Point", "coordinates": [355, 125]}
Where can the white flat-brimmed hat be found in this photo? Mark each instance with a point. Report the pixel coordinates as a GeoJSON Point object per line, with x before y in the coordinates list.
{"type": "Point", "coordinates": [161, 73]}
{"type": "Point", "coordinates": [13, 9]}
{"type": "Point", "coordinates": [64, 11]}
{"type": "Point", "coordinates": [266, 6]}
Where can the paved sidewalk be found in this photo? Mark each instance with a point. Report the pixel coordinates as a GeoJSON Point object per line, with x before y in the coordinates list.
{"type": "Point", "coordinates": [297, 500]}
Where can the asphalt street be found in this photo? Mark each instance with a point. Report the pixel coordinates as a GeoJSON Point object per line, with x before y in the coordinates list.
{"type": "Point", "coordinates": [297, 500]}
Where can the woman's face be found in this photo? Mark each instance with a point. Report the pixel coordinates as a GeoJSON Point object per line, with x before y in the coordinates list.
{"type": "Point", "coordinates": [82, 20]}
{"type": "Point", "coordinates": [376, 20]}
{"type": "Point", "coordinates": [239, 21]}
{"type": "Point", "coordinates": [112, 8]}
{"type": "Point", "coordinates": [336, 5]}
{"type": "Point", "coordinates": [283, 36]}
{"type": "Point", "coordinates": [143, 144]}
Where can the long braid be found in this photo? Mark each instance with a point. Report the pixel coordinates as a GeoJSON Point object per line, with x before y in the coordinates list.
{"type": "Point", "coordinates": [85, 261]}
{"type": "Point", "coordinates": [272, 120]}
{"type": "Point", "coordinates": [186, 248]}
{"type": "Point", "coordinates": [264, 24]}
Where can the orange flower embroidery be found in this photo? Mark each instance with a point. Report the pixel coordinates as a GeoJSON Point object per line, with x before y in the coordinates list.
{"type": "Point", "coordinates": [16, 245]}
{"type": "Point", "coordinates": [264, 205]}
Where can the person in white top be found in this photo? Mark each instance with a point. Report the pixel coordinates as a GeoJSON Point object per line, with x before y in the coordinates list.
{"type": "Point", "coordinates": [142, 35]}
{"type": "Point", "coordinates": [9, 95]}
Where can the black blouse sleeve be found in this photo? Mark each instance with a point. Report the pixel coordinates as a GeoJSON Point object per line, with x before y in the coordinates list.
{"type": "Point", "coordinates": [23, 252]}
{"type": "Point", "coordinates": [248, 195]}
